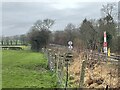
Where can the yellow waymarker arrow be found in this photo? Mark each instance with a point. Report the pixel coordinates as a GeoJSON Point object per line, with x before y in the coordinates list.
{"type": "Point", "coordinates": [109, 55]}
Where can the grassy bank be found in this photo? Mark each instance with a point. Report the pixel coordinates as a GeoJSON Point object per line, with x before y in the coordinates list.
{"type": "Point", "coordinates": [25, 69]}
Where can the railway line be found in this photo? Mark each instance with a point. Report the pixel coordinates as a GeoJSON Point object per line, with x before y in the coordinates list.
{"type": "Point", "coordinates": [112, 56]}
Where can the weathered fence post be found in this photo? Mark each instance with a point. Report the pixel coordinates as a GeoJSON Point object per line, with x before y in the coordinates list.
{"type": "Point", "coordinates": [57, 68]}
{"type": "Point", "coordinates": [49, 58]}
{"type": "Point", "coordinates": [66, 76]}
{"type": "Point", "coordinates": [82, 74]}
{"type": "Point", "coordinates": [67, 59]}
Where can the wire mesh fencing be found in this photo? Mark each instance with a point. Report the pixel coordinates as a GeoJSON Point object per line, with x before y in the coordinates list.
{"type": "Point", "coordinates": [96, 70]}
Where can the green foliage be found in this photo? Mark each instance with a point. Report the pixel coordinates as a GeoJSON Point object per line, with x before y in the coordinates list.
{"type": "Point", "coordinates": [38, 39]}
{"type": "Point", "coordinates": [25, 69]}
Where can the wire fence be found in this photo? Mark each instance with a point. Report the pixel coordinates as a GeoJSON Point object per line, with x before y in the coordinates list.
{"type": "Point", "coordinates": [101, 71]}
{"type": "Point", "coordinates": [96, 70]}
{"type": "Point", "coordinates": [56, 63]}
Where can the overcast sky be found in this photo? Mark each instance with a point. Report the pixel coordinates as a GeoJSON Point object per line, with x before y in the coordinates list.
{"type": "Point", "coordinates": [18, 17]}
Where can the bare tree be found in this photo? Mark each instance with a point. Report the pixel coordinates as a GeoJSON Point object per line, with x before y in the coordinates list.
{"type": "Point", "coordinates": [45, 24]}
{"type": "Point", "coordinates": [39, 34]}
{"type": "Point", "coordinates": [109, 9]}
{"type": "Point", "coordinates": [88, 34]}
{"type": "Point", "coordinates": [69, 30]}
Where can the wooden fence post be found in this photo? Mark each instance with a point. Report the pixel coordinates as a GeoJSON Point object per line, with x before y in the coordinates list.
{"type": "Point", "coordinates": [82, 74]}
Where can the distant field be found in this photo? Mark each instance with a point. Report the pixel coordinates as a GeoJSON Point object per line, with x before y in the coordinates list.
{"type": "Point", "coordinates": [25, 69]}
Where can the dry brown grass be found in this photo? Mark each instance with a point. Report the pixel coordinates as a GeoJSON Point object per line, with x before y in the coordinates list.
{"type": "Point", "coordinates": [102, 75]}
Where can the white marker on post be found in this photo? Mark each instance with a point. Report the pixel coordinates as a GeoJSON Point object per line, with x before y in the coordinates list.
{"type": "Point", "coordinates": [70, 45]}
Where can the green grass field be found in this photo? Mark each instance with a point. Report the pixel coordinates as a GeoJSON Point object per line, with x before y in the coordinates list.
{"type": "Point", "coordinates": [25, 69]}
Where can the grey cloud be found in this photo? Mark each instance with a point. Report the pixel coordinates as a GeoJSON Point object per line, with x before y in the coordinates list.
{"type": "Point", "coordinates": [18, 17]}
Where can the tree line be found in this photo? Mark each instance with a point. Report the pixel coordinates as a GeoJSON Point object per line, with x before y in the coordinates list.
{"type": "Point", "coordinates": [14, 40]}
